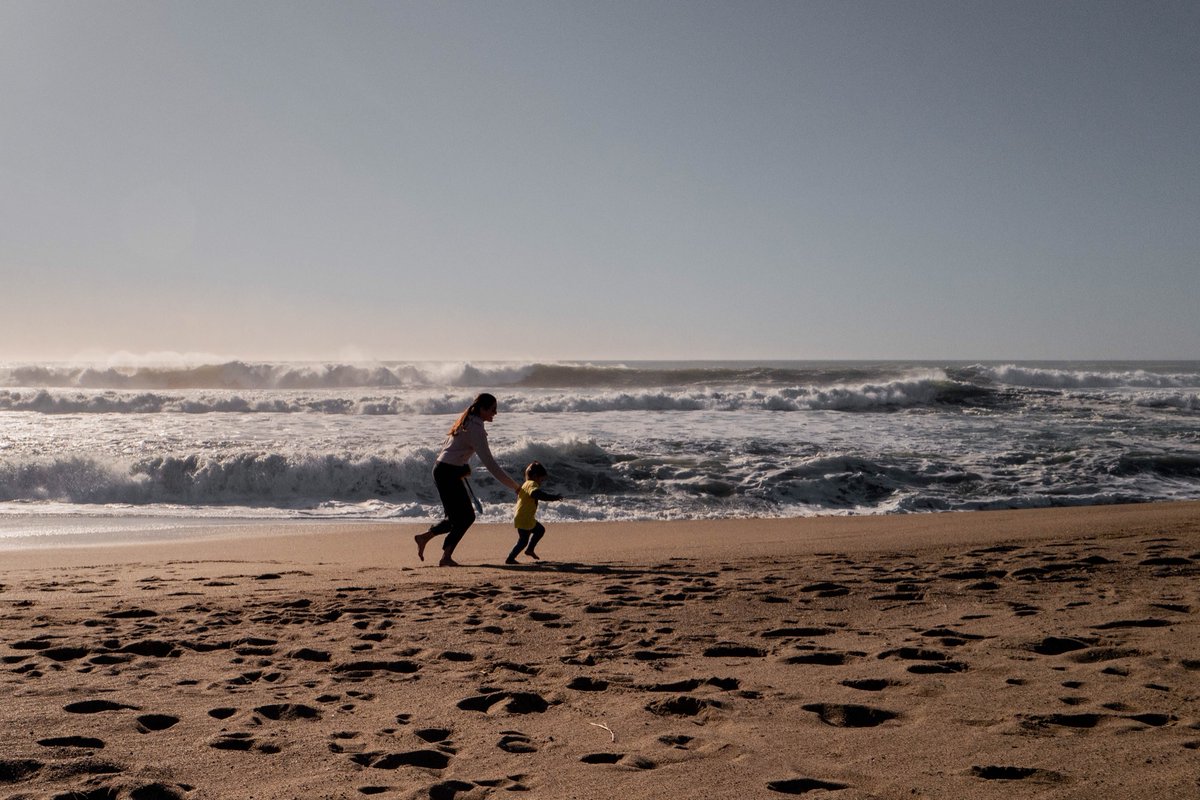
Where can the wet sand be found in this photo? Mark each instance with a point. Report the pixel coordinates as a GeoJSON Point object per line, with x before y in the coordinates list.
{"type": "Point", "coordinates": [982, 655]}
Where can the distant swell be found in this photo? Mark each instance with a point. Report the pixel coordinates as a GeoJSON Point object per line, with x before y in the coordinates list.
{"type": "Point", "coordinates": [240, 375]}
{"type": "Point", "coordinates": [1047, 378]}
{"type": "Point", "coordinates": [866, 397]}
{"type": "Point", "coordinates": [292, 376]}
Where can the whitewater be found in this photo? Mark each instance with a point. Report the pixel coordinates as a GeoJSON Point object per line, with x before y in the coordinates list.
{"type": "Point", "coordinates": [630, 440]}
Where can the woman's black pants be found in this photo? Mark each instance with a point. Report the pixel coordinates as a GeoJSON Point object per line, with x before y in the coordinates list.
{"type": "Point", "coordinates": [452, 488]}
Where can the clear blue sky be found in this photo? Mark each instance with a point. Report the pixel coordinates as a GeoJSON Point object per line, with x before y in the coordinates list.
{"type": "Point", "coordinates": [649, 179]}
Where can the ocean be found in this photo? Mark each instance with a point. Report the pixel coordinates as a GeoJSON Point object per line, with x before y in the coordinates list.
{"type": "Point", "coordinates": [622, 441]}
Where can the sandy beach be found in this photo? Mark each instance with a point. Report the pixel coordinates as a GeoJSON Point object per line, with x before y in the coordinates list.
{"type": "Point", "coordinates": [1037, 653]}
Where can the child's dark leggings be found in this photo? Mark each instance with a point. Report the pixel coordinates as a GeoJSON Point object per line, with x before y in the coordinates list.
{"type": "Point", "coordinates": [523, 538]}
{"type": "Point", "coordinates": [457, 503]}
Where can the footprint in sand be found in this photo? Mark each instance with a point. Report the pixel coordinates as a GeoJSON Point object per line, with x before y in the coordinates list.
{"type": "Point", "coordinates": [1078, 721]}
{"type": "Point", "coordinates": [935, 662]}
{"type": "Point", "coordinates": [64, 653]}
{"type": "Point", "coordinates": [949, 637]}
{"type": "Point", "coordinates": [433, 735]}
{"type": "Point", "coordinates": [254, 676]}
{"type": "Point", "coordinates": [870, 684]}
{"type": "Point", "coordinates": [655, 655]}
{"type": "Point", "coordinates": [677, 741]}
{"type": "Point", "coordinates": [149, 723]}
{"type": "Point", "coordinates": [850, 716]}
{"type": "Point", "coordinates": [824, 658]}
{"type": "Point", "coordinates": [511, 702]}
{"type": "Point", "coordinates": [1097, 654]}
{"type": "Point", "coordinates": [1024, 610]}
{"type": "Point", "coordinates": [1133, 623]}
{"type": "Point", "coordinates": [241, 741]}
{"type": "Point", "coordinates": [18, 769]}
{"type": "Point", "coordinates": [1176, 608]}
{"type": "Point", "coordinates": [160, 791]}
{"type": "Point", "coordinates": [95, 707]}
{"type": "Point", "coordinates": [255, 646]}
{"type": "Point", "coordinates": [796, 633]}
{"type": "Point", "coordinates": [1154, 720]}
{"type": "Point", "coordinates": [152, 648]}
{"type": "Point", "coordinates": [426, 759]}
{"type": "Point", "coordinates": [131, 613]}
{"type": "Point", "coordinates": [516, 742]}
{"type": "Point", "coordinates": [110, 793]}
{"type": "Point", "coordinates": [286, 712]}
{"type": "Point", "coordinates": [448, 790]}
{"type": "Point", "coordinates": [1002, 773]}
{"type": "Point", "coordinates": [344, 742]}
{"type": "Point", "coordinates": [691, 685]}
{"type": "Point", "coordinates": [733, 650]}
{"type": "Point", "coordinates": [804, 786]}
{"type": "Point", "coordinates": [681, 706]}
{"type": "Point", "coordinates": [826, 589]}
{"type": "Point", "coordinates": [88, 742]}
{"type": "Point", "coordinates": [631, 761]}
{"type": "Point", "coordinates": [1057, 645]}
{"type": "Point", "coordinates": [941, 668]}
{"type": "Point", "coordinates": [31, 644]}
{"type": "Point", "coordinates": [366, 669]}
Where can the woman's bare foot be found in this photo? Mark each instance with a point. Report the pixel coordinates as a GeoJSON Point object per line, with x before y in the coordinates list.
{"type": "Point", "coordinates": [447, 561]}
{"type": "Point", "coordinates": [422, 539]}
{"type": "Point", "coordinates": [533, 555]}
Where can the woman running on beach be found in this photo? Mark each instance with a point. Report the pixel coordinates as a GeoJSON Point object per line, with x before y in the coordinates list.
{"type": "Point", "coordinates": [467, 437]}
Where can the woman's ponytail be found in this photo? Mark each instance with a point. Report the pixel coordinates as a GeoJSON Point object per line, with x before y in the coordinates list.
{"type": "Point", "coordinates": [481, 402]}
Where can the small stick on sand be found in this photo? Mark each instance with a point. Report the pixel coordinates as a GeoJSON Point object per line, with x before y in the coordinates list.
{"type": "Point", "coordinates": [610, 733]}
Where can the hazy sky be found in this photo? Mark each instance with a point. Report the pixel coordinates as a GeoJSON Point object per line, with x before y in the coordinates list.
{"type": "Point", "coordinates": [640, 179]}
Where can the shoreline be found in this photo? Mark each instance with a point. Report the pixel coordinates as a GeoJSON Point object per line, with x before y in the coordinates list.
{"type": "Point", "coordinates": [378, 543]}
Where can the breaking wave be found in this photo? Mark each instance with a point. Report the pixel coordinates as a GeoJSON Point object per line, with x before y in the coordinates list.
{"type": "Point", "coordinates": [930, 391]}
{"type": "Point", "coordinates": [597, 481]}
{"type": "Point", "coordinates": [1075, 378]}
{"type": "Point", "coordinates": [622, 441]}
{"type": "Point", "coordinates": [290, 376]}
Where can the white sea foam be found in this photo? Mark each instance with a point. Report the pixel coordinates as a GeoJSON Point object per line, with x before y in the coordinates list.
{"type": "Point", "coordinates": [860, 397]}
{"type": "Point", "coordinates": [1065, 378]}
{"type": "Point", "coordinates": [622, 441]}
{"type": "Point", "coordinates": [242, 375]}
{"type": "Point", "coordinates": [1184, 401]}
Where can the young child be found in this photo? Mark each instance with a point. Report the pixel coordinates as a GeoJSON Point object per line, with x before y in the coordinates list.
{"type": "Point", "coordinates": [529, 530]}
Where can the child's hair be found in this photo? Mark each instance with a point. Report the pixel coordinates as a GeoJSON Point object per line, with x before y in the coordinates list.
{"type": "Point", "coordinates": [481, 402]}
{"type": "Point", "coordinates": [535, 470]}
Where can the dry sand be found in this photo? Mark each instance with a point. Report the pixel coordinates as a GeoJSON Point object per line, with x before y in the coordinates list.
{"type": "Point", "coordinates": [985, 655]}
